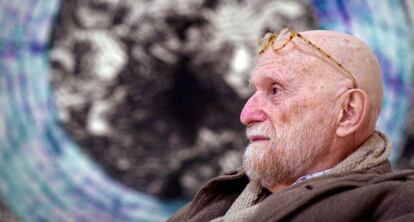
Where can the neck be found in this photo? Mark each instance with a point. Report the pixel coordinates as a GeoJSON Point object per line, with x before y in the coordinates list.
{"type": "Point", "coordinates": [337, 151]}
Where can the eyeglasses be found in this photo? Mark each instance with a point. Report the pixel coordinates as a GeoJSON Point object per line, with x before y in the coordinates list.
{"type": "Point", "coordinates": [270, 40]}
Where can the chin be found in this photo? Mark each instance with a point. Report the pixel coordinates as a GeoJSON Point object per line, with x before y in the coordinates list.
{"type": "Point", "coordinates": [257, 160]}
{"type": "Point", "coordinates": [271, 165]}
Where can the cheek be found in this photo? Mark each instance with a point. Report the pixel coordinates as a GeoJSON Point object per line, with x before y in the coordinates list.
{"type": "Point", "coordinates": [297, 108]}
{"type": "Point", "coordinates": [323, 114]}
{"type": "Point", "coordinates": [284, 118]}
{"type": "Point", "coordinates": [294, 110]}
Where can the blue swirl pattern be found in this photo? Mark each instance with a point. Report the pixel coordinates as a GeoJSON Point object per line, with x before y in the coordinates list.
{"type": "Point", "coordinates": [44, 176]}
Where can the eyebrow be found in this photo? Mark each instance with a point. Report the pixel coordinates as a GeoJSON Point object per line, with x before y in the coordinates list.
{"type": "Point", "coordinates": [269, 76]}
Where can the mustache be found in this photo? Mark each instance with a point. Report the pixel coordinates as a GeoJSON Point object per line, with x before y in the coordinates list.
{"type": "Point", "coordinates": [259, 130]}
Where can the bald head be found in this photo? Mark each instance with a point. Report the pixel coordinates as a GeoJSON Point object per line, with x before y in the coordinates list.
{"type": "Point", "coordinates": [356, 56]}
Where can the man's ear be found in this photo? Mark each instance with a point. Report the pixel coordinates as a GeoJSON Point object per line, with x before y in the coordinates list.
{"type": "Point", "coordinates": [353, 112]}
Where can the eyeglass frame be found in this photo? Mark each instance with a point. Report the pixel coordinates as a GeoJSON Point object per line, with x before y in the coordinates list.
{"type": "Point", "coordinates": [271, 37]}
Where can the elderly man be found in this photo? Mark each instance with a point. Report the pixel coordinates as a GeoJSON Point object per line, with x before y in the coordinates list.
{"type": "Point", "coordinates": [314, 153]}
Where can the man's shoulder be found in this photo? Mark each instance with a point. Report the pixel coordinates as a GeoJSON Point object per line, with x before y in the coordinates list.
{"type": "Point", "coordinates": [394, 196]}
{"type": "Point", "coordinates": [399, 186]}
{"type": "Point", "coordinates": [400, 178]}
{"type": "Point", "coordinates": [353, 195]}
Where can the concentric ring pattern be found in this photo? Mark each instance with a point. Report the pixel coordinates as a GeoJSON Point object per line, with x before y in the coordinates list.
{"type": "Point", "coordinates": [45, 176]}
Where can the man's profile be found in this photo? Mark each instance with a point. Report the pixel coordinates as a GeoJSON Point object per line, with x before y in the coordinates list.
{"type": "Point", "coordinates": [314, 153]}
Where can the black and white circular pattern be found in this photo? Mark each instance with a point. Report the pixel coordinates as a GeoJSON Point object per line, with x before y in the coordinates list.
{"type": "Point", "coordinates": [152, 90]}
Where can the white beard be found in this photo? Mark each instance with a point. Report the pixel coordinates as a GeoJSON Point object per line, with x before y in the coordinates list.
{"type": "Point", "coordinates": [288, 154]}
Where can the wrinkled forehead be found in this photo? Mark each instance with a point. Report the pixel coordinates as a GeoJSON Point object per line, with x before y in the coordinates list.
{"type": "Point", "coordinates": [287, 66]}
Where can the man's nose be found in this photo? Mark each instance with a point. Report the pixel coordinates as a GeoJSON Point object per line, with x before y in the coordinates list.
{"type": "Point", "coordinates": [252, 112]}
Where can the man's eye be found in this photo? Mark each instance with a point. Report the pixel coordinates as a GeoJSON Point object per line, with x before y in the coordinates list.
{"type": "Point", "coordinates": [275, 90]}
